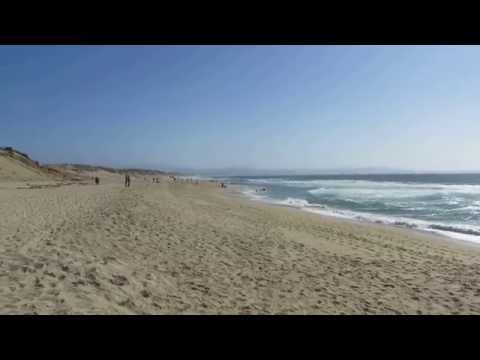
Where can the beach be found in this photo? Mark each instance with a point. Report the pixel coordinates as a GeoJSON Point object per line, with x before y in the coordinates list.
{"type": "Point", "coordinates": [182, 248]}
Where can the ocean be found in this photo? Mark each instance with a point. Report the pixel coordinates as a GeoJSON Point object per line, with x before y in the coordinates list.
{"type": "Point", "coordinates": [448, 204]}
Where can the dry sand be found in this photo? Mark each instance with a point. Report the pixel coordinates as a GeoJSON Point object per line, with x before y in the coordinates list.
{"type": "Point", "coordinates": [190, 249]}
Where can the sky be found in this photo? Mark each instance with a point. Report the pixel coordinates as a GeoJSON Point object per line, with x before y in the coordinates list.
{"type": "Point", "coordinates": [265, 107]}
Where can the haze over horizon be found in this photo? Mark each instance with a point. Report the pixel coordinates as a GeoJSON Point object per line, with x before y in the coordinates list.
{"type": "Point", "coordinates": [411, 108]}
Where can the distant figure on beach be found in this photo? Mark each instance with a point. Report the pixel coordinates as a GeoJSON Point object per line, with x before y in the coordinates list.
{"type": "Point", "coordinates": [97, 180]}
{"type": "Point", "coordinates": [127, 180]}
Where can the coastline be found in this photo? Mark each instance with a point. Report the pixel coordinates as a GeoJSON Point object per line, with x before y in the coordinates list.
{"type": "Point", "coordinates": [235, 191]}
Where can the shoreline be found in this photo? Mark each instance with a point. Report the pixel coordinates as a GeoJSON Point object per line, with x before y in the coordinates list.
{"type": "Point", "coordinates": [235, 191]}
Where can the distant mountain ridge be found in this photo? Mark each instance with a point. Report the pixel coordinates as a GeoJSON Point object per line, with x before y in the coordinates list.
{"type": "Point", "coordinates": [85, 167]}
{"type": "Point", "coordinates": [233, 171]}
{"type": "Point", "coordinates": [289, 172]}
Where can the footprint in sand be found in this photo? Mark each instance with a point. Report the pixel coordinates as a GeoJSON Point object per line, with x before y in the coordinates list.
{"type": "Point", "coordinates": [128, 303]}
{"type": "Point", "coordinates": [119, 280]}
{"type": "Point", "coordinates": [145, 293]}
{"type": "Point", "coordinates": [38, 283]}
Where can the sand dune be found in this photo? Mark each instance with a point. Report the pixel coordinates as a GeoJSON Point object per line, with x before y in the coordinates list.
{"type": "Point", "coordinates": [190, 249]}
{"type": "Point", "coordinates": [16, 168]}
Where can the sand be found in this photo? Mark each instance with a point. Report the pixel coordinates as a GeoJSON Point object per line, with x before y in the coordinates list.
{"type": "Point", "coordinates": [192, 249]}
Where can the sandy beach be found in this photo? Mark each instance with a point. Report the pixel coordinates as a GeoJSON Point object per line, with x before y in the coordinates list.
{"type": "Point", "coordinates": [178, 248]}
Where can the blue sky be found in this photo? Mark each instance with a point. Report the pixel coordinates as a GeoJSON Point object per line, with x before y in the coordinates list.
{"type": "Point", "coordinates": [314, 107]}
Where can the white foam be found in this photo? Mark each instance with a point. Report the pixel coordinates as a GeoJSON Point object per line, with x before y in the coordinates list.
{"type": "Point", "coordinates": [298, 203]}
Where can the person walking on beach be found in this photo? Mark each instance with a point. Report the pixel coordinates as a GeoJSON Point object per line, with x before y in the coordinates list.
{"type": "Point", "coordinates": [127, 180]}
